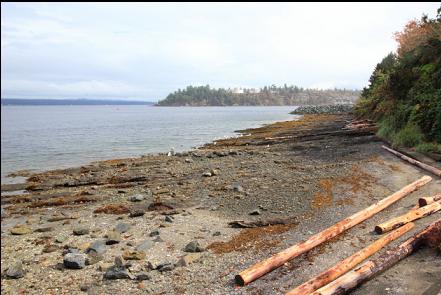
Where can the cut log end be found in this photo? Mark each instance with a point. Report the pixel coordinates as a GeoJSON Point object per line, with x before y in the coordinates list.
{"type": "Point", "coordinates": [378, 230]}
{"type": "Point", "coordinates": [239, 280]}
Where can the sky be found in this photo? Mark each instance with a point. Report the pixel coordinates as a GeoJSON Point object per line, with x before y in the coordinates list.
{"type": "Point", "coordinates": [143, 51]}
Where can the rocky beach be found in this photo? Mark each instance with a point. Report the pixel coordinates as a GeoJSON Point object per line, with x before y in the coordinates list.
{"type": "Point", "coordinates": [187, 223]}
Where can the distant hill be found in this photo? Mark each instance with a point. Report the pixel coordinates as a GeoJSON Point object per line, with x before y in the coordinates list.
{"type": "Point", "coordinates": [266, 96]}
{"type": "Point", "coordinates": [46, 102]}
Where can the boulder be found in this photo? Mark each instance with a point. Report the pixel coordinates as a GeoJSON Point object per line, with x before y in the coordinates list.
{"type": "Point", "coordinates": [193, 247]}
{"type": "Point", "coordinates": [74, 260]}
{"type": "Point", "coordinates": [15, 271]}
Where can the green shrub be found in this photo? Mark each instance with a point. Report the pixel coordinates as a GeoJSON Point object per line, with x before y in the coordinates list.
{"type": "Point", "coordinates": [409, 136]}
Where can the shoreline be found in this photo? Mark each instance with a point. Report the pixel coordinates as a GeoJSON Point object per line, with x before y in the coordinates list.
{"type": "Point", "coordinates": [303, 172]}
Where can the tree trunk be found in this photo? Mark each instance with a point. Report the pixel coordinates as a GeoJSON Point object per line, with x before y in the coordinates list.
{"type": "Point", "coordinates": [347, 264]}
{"type": "Point", "coordinates": [385, 261]}
{"type": "Point", "coordinates": [259, 269]}
{"type": "Point", "coordinates": [424, 166]}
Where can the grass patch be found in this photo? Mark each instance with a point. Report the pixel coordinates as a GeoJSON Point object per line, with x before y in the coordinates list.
{"type": "Point", "coordinates": [429, 147]}
{"type": "Point", "coordinates": [408, 136]}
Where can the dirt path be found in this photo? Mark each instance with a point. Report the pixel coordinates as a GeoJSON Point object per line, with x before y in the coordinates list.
{"type": "Point", "coordinates": [307, 173]}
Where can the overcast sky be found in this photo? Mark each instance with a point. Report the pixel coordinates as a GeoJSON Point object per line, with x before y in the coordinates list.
{"type": "Point", "coordinates": [145, 51]}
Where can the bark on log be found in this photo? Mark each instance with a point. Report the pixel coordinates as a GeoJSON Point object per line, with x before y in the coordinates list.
{"type": "Point", "coordinates": [408, 217]}
{"type": "Point", "coordinates": [263, 267]}
{"type": "Point", "coordinates": [373, 267]}
{"type": "Point", "coordinates": [424, 166]}
{"type": "Point", "coordinates": [347, 264]}
{"type": "Point", "coordinates": [429, 200]}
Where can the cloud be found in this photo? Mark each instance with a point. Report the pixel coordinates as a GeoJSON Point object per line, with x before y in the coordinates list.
{"type": "Point", "coordinates": [149, 49]}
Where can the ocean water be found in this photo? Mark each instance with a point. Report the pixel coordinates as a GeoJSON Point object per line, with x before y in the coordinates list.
{"type": "Point", "coordinates": [40, 138]}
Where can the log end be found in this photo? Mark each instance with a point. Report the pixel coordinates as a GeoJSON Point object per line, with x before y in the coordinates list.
{"type": "Point", "coordinates": [378, 229]}
{"type": "Point", "coordinates": [239, 280]}
{"type": "Point", "coordinates": [422, 202]}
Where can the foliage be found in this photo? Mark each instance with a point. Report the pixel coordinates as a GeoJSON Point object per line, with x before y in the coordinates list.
{"type": "Point", "coordinates": [404, 91]}
{"type": "Point", "coordinates": [268, 95]}
{"type": "Point", "coordinates": [430, 147]}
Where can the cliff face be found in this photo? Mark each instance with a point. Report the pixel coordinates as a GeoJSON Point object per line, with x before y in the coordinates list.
{"type": "Point", "coordinates": [275, 96]}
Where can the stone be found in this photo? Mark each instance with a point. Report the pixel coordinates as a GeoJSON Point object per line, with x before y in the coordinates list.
{"type": "Point", "coordinates": [20, 230]}
{"type": "Point", "coordinates": [98, 247]}
{"type": "Point", "coordinates": [144, 246]}
{"type": "Point", "coordinates": [206, 174]}
{"type": "Point", "coordinates": [238, 188]}
{"type": "Point", "coordinates": [44, 229]}
{"type": "Point", "coordinates": [255, 212]}
{"type": "Point", "coordinates": [81, 230]}
{"type": "Point", "coordinates": [193, 247]}
{"type": "Point", "coordinates": [113, 237]}
{"type": "Point", "coordinates": [188, 259]}
{"type": "Point", "coordinates": [133, 255]}
{"type": "Point", "coordinates": [143, 276]}
{"type": "Point", "coordinates": [49, 248]}
{"type": "Point", "coordinates": [166, 266]}
{"type": "Point", "coordinates": [60, 238]}
{"type": "Point", "coordinates": [168, 219]}
{"type": "Point", "coordinates": [216, 234]}
{"type": "Point", "coordinates": [122, 227]}
{"type": "Point", "coordinates": [74, 260]}
{"type": "Point", "coordinates": [15, 271]}
{"type": "Point", "coordinates": [158, 239]}
{"type": "Point", "coordinates": [116, 272]}
{"type": "Point", "coordinates": [188, 160]}
{"type": "Point", "coordinates": [136, 198]}
{"type": "Point", "coordinates": [154, 233]}
{"type": "Point", "coordinates": [93, 257]}
{"type": "Point", "coordinates": [214, 172]}
{"type": "Point", "coordinates": [136, 212]}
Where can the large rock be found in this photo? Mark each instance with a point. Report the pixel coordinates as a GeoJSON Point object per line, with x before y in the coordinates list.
{"type": "Point", "coordinates": [15, 271]}
{"type": "Point", "coordinates": [122, 227]}
{"type": "Point", "coordinates": [20, 230]}
{"type": "Point", "coordinates": [193, 247]}
{"type": "Point", "coordinates": [118, 271]}
{"type": "Point", "coordinates": [74, 260]}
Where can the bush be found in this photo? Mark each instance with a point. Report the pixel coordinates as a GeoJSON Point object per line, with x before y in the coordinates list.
{"type": "Point", "coordinates": [408, 136]}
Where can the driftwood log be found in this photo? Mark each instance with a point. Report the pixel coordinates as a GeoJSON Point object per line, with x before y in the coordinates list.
{"type": "Point", "coordinates": [424, 166]}
{"type": "Point", "coordinates": [408, 217]}
{"type": "Point", "coordinates": [347, 264]}
{"type": "Point", "coordinates": [373, 267]}
{"type": "Point", "coordinates": [429, 200]}
{"type": "Point", "coordinates": [259, 269]}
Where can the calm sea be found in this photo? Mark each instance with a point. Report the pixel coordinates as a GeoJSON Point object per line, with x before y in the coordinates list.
{"type": "Point", "coordinates": [48, 137]}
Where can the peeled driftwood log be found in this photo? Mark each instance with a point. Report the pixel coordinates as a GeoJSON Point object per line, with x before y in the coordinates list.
{"type": "Point", "coordinates": [424, 166]}
{"type": "Point", "coordinates": [373, 267]}
{"type": "Point", "coordinates": [408, 217]}
{"type": "Point", "coordinates": [347, 264]}
{"type": "Point", "coordinates": [259, 269]}
{"type": "Point", "coordinates": [429, 200]}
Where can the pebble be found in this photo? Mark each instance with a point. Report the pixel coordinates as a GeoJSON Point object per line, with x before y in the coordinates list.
{"type": "Point", "coordinates": [193, 247]}
{"type": "Point", "coordinates": [133, 255]}
{"type": "Point", "coordinates": [81, 230]}
{"type": "Point", "coordinates": [74, 260]}
{"type": "Point", "coordinates": [20, 230]}
{"type": "Point", "coordinates": [113, 237]}
{"type": "Point", "coordinates": [93, 257]}
{"type": "Point", "coordinates": [122, 227]}
{"type": "Point", "coordinates": [98, 247]}
{"type": "Point", "coordinates": [136, 198]}
{"type": "Point", "coordinates": [143, 276]}
{"type": "Point", "coordinates": [60, 238]}
{"type": "Point", "coordinates": [216, 234]}
{"type": "Point", "coordinates": [154, 233]}
{"type": "Point", "coordinates": [166, 266]}
{"type": "Point", "coordinates": [15, 271]}
{"type": "Point", "coordinates": [147, 244]}
{"type": "Point", "coordinates": [206, 174]}
{"type": "Point", "coordinates": [44, 229]}
{"type": "Point", "coordinates": [168, 219]}
{"type": "Point", "coordinates": [188, 259]}
{"type": "Point", "coordinates": [137, 212]}
{"type": "Point", "coordinates": [255, 212]}
{"type": "Point", "coordinates": [188, 160]}
{"type": "Point", "coordinates": [238, 188]}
